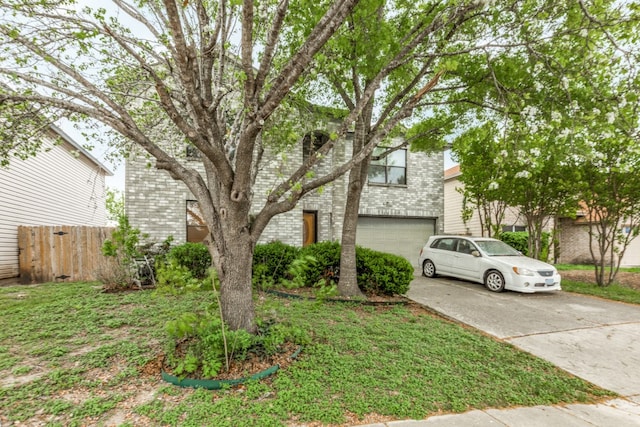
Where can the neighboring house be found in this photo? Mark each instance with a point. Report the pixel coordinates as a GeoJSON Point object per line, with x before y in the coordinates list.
{"type": "Point", "coordinates": [574, 242]}
{"type": "Point", "coordinates": [453, 205]}
{"type": "Point", "coordinates": [573, 233]}
{"type": "Point", "coordinates": [401, 206]}
{"type": "Point", "coordinates": [62, 185]}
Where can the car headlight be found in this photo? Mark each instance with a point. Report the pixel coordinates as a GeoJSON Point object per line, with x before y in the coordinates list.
{"type": "Point", "coordinates": [523, 271]}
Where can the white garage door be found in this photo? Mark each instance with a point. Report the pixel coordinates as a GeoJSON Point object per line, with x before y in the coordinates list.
{"type": "Point", "coordinates": [400, 236]}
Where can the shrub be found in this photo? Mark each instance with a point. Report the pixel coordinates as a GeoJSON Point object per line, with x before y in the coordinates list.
{"type": "Point", "coordinates": [516, 239]}
{"type": "Point", "coordinates": [205, 345]}
{"type": "Point", "coordinates": [520, 241]}
{"type": "Point", "coordinates": [325, 265]}
{"type": "Point", "coordinates": [175, 279]}
{"type": "Point", "coordinates": [134, 256]}
{"type": "Point", "coordinates": [378, 273]}
{"type": "Point", "coordinates": [271, 262]}
{"type": "Point", "coordinates": [382, 273]}
{"type": "Point", "coordinates": [193, 256]}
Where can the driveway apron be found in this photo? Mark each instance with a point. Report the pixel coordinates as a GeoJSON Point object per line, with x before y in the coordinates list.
{"type": "Point", "coordinates": [595, 339]}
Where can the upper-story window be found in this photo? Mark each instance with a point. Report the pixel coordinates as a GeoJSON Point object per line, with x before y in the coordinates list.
{"type": "Point", "coordinates": [192, 152]}
{"type": "Point", "coordinates": [389, 169]}
{"type": "Point", "coordinates": [312, 143]}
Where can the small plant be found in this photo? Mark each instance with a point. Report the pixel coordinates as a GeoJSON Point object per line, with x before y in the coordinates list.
{"type": "Point", "coordinates": [205, 346]}
{"type": "Point", "coordinates": [134, 260]}
{"type": "Point", "coordinates": [176, 279]}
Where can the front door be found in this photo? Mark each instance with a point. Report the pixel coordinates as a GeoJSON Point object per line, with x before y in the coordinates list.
{"type": "Point", "coordinates": [309, 234]}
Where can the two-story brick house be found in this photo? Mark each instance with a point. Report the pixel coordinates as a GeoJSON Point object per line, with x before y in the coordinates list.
{"type": "Point", "coordinates": [401, 205]}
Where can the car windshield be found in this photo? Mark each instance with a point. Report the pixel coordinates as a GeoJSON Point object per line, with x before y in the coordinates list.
{"type": "Point", "coordinates": [496, 248]}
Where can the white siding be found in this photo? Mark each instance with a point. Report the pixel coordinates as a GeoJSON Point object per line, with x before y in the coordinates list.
{"type": "Point", "coordinates": [57, 187]}
{"type": "Point", "coordinates": [453, 223]}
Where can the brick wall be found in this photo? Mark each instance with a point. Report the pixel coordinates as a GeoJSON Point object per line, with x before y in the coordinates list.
{"type": "Point", "coordinates": [156, 204]}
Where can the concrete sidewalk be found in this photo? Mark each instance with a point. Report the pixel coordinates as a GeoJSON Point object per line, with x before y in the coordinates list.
{"type": "Point", "coordinates": [594, 339]}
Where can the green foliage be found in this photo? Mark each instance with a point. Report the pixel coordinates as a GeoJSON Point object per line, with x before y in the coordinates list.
{"type": "Point", "coordinates": [271, 262]}
{"type": "Point", "coordinates": [114, 204]}
{"type": "Point", "coordinates": [520, 241]}
{"type": "Point", "coordinates": [378, 273]}
{"type": "Point", "coordinates": [175, 279]}
{"type": "Point", "coordinates": [382, 273]}
{"type": "Point", "coordinates": [193, 256]}
{"type": "Point", "coordinates": [516, 239]}
{"type": "Point", "coordinates": [124, 242]}
{"type": "Point", "coordinates": [205, 345]}
{"type": "Point", "coordinates": [185, 268]}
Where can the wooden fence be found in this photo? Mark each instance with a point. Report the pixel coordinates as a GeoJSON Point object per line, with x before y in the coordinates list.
{"type": "Point", "coordinates": [62, 253]}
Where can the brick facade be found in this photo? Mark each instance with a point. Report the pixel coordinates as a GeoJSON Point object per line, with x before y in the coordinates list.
{"type": "Point", "coordinates": [156, 204]}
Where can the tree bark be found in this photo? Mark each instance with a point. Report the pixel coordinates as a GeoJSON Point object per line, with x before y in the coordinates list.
{"type": "Point", "coordinates": [236, 293]}
{"type": "Point", "coordinates": [348, 282]}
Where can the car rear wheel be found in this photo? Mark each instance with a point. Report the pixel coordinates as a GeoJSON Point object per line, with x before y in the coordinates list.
{"type": "Point", "coordinates": [494, 281]}
{"type": "Point", "coordinates": [428, 268]}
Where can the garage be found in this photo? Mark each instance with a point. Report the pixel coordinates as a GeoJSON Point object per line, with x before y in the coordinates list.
{"type": "Point", "coordinates": [400, 236]}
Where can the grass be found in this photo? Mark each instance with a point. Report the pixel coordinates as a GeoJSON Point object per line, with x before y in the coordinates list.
{"type": "Point", "coordinates": [613, 292]}
{"type": "Point", "coordinates": [566, 267]}
{"type": "Point", "coordinates": [83, 351]}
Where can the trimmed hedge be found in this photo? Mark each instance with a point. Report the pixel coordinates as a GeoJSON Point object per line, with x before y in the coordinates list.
{"type": "Point", "coordinates": [381, 273]}
{"type": "Point", "coordinates": [271, 261]}
{"type": "Point", "coordinates": [378, 273]}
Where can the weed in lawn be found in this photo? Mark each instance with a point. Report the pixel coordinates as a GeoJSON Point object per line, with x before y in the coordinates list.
{"type": "Point", "coordinates": [96, 406]}
{"type": "Point", "coordinates": [21, 370]}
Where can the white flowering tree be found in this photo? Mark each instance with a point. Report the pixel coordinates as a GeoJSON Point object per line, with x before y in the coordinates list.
{"type": "Point", "coordinates": [482, 164]}
{"type": "Point", "coordinates": [544, 109]}
{"type": "Point", "coordinates": [610, 157]}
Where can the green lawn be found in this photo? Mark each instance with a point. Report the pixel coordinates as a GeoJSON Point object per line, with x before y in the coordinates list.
{"type": "Point", "coordinates": [72, 355]}
{"type": "Point", "coordinates": [612, 292]}
{"type": "Point", "coordinates": [565, 267]}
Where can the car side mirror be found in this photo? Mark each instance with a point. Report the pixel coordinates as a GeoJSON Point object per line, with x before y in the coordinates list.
{"type": "Point", "coordinates": [475, 253]}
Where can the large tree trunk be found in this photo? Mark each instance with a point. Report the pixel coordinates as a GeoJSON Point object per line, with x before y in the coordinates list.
{"type": "Point", "coordinates": [236, 293]}
{"type": "Point", "coordinates": [348, 283]}
{"type": "Point", "coordinates": [231, 245]}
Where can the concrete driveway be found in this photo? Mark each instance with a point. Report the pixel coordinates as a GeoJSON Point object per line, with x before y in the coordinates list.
{"type": "Point", "coordinates": [594, 339]}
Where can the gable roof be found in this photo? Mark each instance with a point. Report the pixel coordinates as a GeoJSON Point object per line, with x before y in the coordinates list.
{"type": "Point", "coordinates": [452, 172]}
{"type": "Point", "coordinates": [80, 149]}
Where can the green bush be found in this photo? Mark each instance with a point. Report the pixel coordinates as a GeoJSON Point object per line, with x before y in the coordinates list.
{"type": "Point", "coordinates": [325, 265]}
{"type": "Point", "coordinates": [520, 241]}
{"type": "Point", "coordinates": [382, 273]}
{"type": "Point", "coordinates": [271, 262]}
{"type": "Point", "coordinates": [194, 256]}
{"type": "Point", "coordinates": [176, 279]}
{"type": "Point", "coordinates": [378, 273]}
{"type": "Point", "coordinates": [516, 239]}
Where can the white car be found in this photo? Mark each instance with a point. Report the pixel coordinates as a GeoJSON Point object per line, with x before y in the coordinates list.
{"type": "Point", "coordinates": [488, 261]}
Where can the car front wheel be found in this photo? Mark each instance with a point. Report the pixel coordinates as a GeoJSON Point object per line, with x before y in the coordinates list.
{"type": "Point", "coordinates": [494, 281]}
{"type": "Point", "coordinates": [428, 268]}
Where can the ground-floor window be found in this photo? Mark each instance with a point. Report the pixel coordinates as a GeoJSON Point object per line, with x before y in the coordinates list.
{"type": "Point", "coordinates": [196, 227]}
